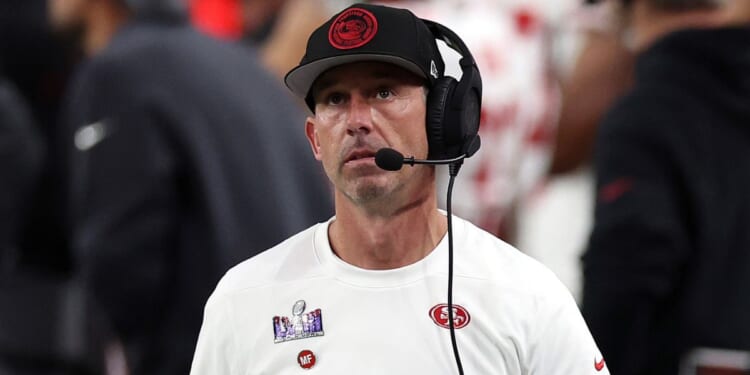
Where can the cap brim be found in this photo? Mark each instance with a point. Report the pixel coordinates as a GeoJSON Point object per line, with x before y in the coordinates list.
{"type": "Point", "coordinates": [300, 79]}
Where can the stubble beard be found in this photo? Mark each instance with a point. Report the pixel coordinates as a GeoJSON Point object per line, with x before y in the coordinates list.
{"type": "Point", "coordinates": [385, 199]}
{"type": "Point", "coordinates": [365, 193]}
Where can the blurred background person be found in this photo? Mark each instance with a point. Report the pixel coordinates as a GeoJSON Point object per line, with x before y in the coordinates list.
{"type": "Point", "coordinates": [21, 155]}
{"type": "Point", "coordinates": [555, 221]}
{"type": "Point", "coordinates": [668, 263]}
{"type": "Point", "coordinates": [279, 29]}
{"type": "Point", "coordinates": [184, 157]}
{"type": "Point", "coordinates": [601, 74]}
{"type": "Point", "coordinates": [38, 308]}
{"type": "Point", "coordinates": [37, 65]}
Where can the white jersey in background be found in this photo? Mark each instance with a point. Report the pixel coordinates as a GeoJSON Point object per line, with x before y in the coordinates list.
{"type": "Point", "coordinates": [298, 307]}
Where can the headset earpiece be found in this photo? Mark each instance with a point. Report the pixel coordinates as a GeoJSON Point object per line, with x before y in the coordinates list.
{"type": "Point", "coordinates": [453, 107]}
{"type": "Point", "coordinates": [467, 103]}
{"type": "Point", "coordinates": [437, 101]}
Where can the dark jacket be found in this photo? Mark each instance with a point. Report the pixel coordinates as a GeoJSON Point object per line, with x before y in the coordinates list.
{"type": "Point", "coordinates": [186, 157]}
{"type": "Point", "coordinates": [21, 155]}
{"type": "Point", "coordinates": [668, 264]}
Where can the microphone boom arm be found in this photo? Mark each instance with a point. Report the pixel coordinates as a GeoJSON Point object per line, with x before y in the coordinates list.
{"type": "Point", "coordinates": [411, 161]}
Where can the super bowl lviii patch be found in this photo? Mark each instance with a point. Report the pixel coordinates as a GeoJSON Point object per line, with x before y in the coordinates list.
{"type": "Point", "coordinates": [300, 326]}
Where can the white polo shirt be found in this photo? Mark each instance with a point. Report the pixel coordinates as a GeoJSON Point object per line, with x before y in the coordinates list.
{"type": "Point", "coordinates": [297, 308]}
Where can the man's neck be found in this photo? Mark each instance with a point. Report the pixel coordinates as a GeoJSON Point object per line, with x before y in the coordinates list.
{"type": "Point", "coordinates": [379, 242]}
{"type": "Point", "coordinates": [102, 22]}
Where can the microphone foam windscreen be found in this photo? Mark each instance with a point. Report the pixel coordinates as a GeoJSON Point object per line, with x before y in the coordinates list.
{"type": "Point", "coordinates": [389, 159]}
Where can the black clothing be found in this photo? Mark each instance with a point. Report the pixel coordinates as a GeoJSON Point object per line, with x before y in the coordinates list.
{"type": "Point", "coordinates": [33, 59]}
{"type": "Point", "coordinates": [668, 264]}
{"type": "Point", "coordinates": [34, 326]}
{"type": "Point", "coordinates": [21, 155]}
{"type": "Point", "coordinates": [188, 158]}
{"type": "Point", "coordinates": [37, 64]}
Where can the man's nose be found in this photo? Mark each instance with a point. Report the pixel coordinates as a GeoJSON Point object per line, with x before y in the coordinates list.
{"type": "Point", "coordinates": [360, 117]}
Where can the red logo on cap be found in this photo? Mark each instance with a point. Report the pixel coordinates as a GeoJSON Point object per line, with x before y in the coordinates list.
{"type": "Point", "coordinates": [352, 28]}
{"type": "Point", "coordinates": [439, 315]}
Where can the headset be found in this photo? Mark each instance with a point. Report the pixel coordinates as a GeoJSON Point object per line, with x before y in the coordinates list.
{"type": "Point", "coordinates": [453, 114]}
{"type": "Point", "coordinates": [453, 107]}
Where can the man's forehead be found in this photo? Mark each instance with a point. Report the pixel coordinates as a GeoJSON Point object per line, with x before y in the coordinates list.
{"type": "Point", "coordinates": [365, 70]}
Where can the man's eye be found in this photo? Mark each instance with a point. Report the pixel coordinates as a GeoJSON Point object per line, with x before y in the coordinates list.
{"type": "Point", "coordinates": [335, 99]}
{"type": "Point", "coordinates": [384, 94]}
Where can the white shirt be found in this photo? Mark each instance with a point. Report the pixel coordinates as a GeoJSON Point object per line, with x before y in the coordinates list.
{"type": "Point", "coordinates": [515, 316]}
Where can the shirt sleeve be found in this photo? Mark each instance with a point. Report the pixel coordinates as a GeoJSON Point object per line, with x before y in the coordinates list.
{"type": "Point", "coordinates": [213, 353]}
{"type": "Point", "coordinates": [561, 343]}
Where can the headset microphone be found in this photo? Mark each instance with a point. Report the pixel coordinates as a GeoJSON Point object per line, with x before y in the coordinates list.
{"type": "Point", "coordinates": [392, 160]}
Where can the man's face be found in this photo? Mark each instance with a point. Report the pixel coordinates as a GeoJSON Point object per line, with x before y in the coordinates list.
{"type": "Point", "coordinates": [66, 15]}
{"type": "Point", "coordinates": [359, 109]}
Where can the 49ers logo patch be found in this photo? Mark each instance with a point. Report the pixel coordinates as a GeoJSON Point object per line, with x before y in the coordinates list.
{"type": "Point", "coordinates": [439, 315]}
{"type": "Point", "coordinates": [352, 29]}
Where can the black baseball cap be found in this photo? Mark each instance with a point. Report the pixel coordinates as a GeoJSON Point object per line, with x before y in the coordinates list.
{"type": "Point", "coordinates": [367, 32]}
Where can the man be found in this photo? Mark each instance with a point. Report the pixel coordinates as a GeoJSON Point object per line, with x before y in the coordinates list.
{"type": "Point", "coordinates": [666, 271]}
{"type": "Point", "coordinates": [372, 280]}
{"type": "Point", "coordinates": [182, 162]}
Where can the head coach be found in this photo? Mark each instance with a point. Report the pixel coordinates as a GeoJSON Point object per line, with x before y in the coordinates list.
{"type": "Point", "coordinates": [365, 292]}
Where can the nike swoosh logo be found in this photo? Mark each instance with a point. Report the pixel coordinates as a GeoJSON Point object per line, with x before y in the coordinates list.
{"type": "Point", "coordinates": [599, 365]}
{"type": "Point", "coordinates": [90, 135]}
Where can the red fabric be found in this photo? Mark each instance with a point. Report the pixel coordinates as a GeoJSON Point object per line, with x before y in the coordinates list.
{"type": "Point", "coordinates": [220, 18]}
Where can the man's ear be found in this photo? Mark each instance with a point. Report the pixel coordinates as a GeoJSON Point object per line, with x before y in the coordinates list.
{"type": "Point", "coordinates": [312, 137]}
